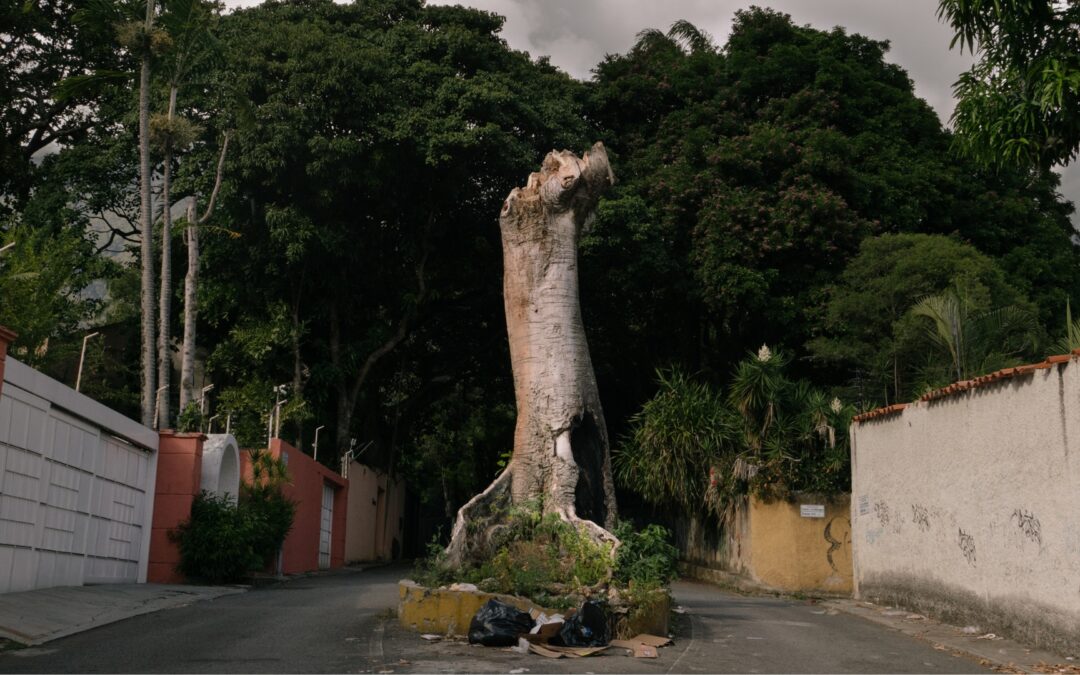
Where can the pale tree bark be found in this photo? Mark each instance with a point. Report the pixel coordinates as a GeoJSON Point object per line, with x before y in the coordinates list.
{"type": "Point", "coordinates": [191, 282]}
{"type": "Point", "coordinates": [146, 248]}
{"type": "Point", "coordinates": [165, 294]}
{"type": "Point", "coordinates": [561, 459]}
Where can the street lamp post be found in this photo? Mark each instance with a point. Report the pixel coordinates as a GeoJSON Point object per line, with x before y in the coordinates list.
{"type": "Point", "coordinates": [202, 398]}
{"type": "Point", "coordinates": [82, 354]}
{"type": "Point", "coordinates": [315, 445]}
{"type": "Point", "coordinates": [157, 403]}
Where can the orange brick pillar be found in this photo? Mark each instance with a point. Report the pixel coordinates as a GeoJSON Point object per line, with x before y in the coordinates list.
{"type": "Point", "coordinates": [6, 338]}
{"type": "Point", "coordinates": [179, 478]}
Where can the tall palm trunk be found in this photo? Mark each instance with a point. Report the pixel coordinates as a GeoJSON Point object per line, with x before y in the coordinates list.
{"type": "Point", "coordinates": [165, 297]}
{"type": "Point", "coordinates": [146, 248]}
{"type": "Point", "coordinates": [191, 282]}
{"type": "Point", "coordinates": [191, 310]}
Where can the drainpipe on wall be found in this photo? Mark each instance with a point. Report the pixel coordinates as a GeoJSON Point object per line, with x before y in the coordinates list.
{"type": "Point", "coordinates": [7, 336]}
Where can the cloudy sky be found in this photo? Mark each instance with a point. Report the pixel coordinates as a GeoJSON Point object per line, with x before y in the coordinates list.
{"type": "Point", "coordinates": [576, 34]}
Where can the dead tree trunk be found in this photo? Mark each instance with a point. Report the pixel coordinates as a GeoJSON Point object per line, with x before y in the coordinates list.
{"type": "Point", "coordinates": [561, 456]}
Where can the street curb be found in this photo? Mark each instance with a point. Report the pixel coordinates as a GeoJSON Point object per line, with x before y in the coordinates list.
{"type": "Point", "coordinates": [1001, 653]}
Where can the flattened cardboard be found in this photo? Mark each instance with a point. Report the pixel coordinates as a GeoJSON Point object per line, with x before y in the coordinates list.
{"type": "Point", "coordinates": [546, 632]}
{"type": "Point", "coordinates": [638, 649]}
{"type": "Point", "coordinates": [554, 652]}
{"type": "Point", "coordinates": [651, 640]}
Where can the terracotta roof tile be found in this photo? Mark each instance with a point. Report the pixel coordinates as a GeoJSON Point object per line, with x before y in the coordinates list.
{"type": "Point", "coordinates": [975, 383]}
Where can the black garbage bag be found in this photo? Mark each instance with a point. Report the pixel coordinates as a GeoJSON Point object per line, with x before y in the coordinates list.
{"type": "Point", "coordinates": [498, 624]}
{"type": "Point", "coordinates": [588, 627]}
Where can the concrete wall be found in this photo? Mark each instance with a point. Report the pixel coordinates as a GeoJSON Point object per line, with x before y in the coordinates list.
{"type": "Point", "coordinates": [300, 553]}
{"type": "Point", "coordinates": [77, 486]}
{"type": "Point", "coordinates": [779, 544]}
{"type": "Point", "coordinates": [376, 508]}
{"type": "Point", "coordinates": [967, 504]}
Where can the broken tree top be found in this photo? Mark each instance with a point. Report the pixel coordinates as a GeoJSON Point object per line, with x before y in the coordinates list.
{"type": "Point", "coordinates": [565, 182]}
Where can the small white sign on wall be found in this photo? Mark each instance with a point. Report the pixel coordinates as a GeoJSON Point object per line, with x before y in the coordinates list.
{"type": "Point", "coordinates": [812, 510]}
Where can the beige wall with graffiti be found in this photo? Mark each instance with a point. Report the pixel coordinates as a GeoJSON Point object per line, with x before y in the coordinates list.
{"type": "Point", "coordinates": [968, 506]}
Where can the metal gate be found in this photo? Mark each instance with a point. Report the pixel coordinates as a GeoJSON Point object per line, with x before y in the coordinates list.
{"type": "Point", "coordinates": [75, 499]}
{"type": "Point", "coordinates": [325, 526]}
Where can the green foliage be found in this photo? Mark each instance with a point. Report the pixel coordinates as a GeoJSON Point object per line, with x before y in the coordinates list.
{"type": "Point", "coordinates": [537, 556]}
{"type": "Point", "coordinates": [973, 343]}
{"type": "Point", "coordinates": [215, 542]}
{"type": "Point", "coordinates": [751, 175]}
{"type": "Point", "coordinates": [448, 445]}
{"type": "Point", "coordinates": [674, 437]}
{"type": "Point", "coordinates": [270, 514]}
{"type": "Point", "coordinates": [225, 539]}
{"type": "Point", "coordinates": [190, 419]}
{"type": "Point", "coordinates": [42, 282]}
{"type": "Point", "coordinates": [1020, 102]}
{"type": "Point", "coordinates": [769, 436]}
{"type": "Point", "coordinates": [645, 558]}
{"type": "Point", "coordinates": [870, 328]}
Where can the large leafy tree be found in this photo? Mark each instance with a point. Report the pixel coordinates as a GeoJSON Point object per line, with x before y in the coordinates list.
{"type": "Point", "coordinates": [363, 194]}
{"type": "Point", "coordinates": [869, 329]}
{"type": "Point", "coordinates": [751, 174]}
{"type": "Point", "coordinates": [41, 47]}
{"type": "Point", "coordinates": [1020, 102]}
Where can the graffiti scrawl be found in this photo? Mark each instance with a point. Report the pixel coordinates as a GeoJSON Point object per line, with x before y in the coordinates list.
{"type": "Point", "coordinates": [1028, 524]}
{"type": "Point", "coordinates": [835, 544]}
{"type": "Point", "coordinates": [967, 546]}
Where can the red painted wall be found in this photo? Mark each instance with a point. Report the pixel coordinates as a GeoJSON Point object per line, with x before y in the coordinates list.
{"type": "Point", "coordinates": [300, 552]}
{"type": "Point", "coordinates": [179, 475]}
{"type": "Point", "coordinates": [6, 338]}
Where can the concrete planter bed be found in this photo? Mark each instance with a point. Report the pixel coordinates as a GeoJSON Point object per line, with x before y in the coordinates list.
{"type": "Point", "coordinates": [448, 610]}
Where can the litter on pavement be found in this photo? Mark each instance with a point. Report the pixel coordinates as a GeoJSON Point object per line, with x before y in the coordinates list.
{"type": "Point", "coordinates": [581, 632]}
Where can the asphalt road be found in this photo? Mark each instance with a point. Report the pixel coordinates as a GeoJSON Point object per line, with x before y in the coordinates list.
{"type": "Point", "coordinates": [344, 623]}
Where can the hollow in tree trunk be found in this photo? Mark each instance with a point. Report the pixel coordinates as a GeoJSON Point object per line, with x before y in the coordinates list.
{"type": "Point", "coordinates": [561, 457]}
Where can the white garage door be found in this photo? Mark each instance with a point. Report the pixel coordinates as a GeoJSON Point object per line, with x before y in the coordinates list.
{"type": "Point", "coordinates": [325, 526]}
{"type": "Point", "coordinates": [73, 498]}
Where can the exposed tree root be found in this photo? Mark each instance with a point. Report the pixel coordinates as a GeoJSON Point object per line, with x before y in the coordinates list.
{"type": "Point", "coordinates": [479, 522]}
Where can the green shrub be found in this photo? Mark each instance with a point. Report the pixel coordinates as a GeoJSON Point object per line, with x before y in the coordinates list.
{"type": "Point", "coordinates": [270, 514]}
{"type": "Point", "coordinates": [190, 419]}
{"type": "Point", "coordinates": [269, 517]}
{"type": "Point", "coordinates": [646, 558]}
{"type": "Point", "coordinates": [223, 541]}
{"type": "Point", "coordinates": [215, 542]}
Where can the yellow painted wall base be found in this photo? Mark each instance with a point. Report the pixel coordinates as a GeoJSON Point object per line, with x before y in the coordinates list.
{"type": "Point", "coordinates": [447, 612]}
{"type": "Point", "coordinates": [790, 551]}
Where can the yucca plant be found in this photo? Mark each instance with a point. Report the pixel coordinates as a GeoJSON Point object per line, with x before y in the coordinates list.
{"type": "Point", "coordinates": [675, 438]}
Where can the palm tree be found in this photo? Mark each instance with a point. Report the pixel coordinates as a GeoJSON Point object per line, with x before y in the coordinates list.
{"type": "Point", "coordinates": [974, 342]}
{"type": "Point", "coordinates": [1071, 340]}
